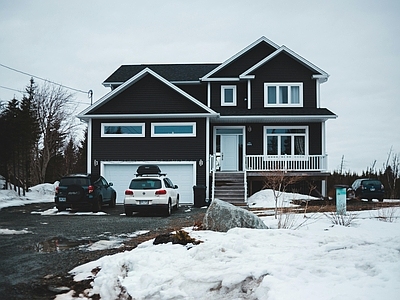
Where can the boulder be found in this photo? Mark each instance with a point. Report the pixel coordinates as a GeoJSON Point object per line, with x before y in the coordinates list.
{"type": "Point", "coordinates": [222, 216]}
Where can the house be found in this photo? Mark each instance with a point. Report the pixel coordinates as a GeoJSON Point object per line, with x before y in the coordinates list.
{"type": "Point", "coordinates": [224, 126]}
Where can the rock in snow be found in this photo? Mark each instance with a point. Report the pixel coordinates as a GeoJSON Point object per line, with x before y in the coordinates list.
{"type": "Point", "coordinates": [222, 216]}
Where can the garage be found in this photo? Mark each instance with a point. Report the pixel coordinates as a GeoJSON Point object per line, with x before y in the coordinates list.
{"type": "Point", "coordinates": [183, 174]}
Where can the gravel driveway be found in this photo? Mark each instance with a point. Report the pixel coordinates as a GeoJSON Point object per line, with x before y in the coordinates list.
{"type": "Point", "coordinates": [33, 264]}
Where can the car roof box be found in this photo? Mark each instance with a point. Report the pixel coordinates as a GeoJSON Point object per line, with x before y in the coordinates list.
{"type": "Point", "coordinates": [148, 170]}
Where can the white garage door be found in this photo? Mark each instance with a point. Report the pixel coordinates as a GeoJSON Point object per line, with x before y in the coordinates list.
{"type": "Point", "coordinates": [181, 173]}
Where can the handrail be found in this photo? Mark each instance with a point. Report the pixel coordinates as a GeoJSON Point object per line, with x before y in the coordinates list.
{"type": "Point", "coordinates": [285, 162]}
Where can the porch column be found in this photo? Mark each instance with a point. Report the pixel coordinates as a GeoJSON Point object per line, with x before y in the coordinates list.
{"type": "Point", "coordinates": [323, 188]}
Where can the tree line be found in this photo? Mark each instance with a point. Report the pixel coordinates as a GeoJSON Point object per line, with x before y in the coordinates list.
{"type": "Point", "coordinates": [37, 135]}
{"type": "Point", "coordinates": [389, 175]}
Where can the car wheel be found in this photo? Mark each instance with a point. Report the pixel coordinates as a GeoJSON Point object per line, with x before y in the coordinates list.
{"type": "Point", "coordinates": [97, 205]}
{"type": "Point", "coordinates": [61, 208]}
{"type": "Point", "coordinates": [128, 212]}
{"type": "Point", "coordinates": [176, 207]}
{"type": "Point", "coordinates": [113, 200]}
{"type": "Point", "coordinates": [168, 209]}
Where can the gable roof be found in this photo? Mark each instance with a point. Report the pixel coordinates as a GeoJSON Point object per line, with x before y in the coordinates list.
{"type": "Point", "coordinates": [171, 72]}
{"type": "Point", "coordinates": [263, 39]}
{"type": "Point", "coordinates": [321, 73]}
{"type": "Point", "coordinates": [85, 113]}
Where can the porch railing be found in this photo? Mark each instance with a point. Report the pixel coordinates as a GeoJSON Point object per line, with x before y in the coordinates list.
{"type": "Point", "coordinates": [286, 162]}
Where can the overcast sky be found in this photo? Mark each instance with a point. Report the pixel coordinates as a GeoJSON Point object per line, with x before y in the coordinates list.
{"type": "Point", "coordinates": [80, 43]}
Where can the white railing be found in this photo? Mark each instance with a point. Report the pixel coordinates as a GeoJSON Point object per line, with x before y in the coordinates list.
{"type": "Point", "coordinates": [285, 162]}
{"type": "Point", "coordinates": [213, 169]}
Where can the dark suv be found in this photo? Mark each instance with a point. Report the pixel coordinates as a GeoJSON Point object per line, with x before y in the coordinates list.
{"type": "Point", "coordinates": [366, 188]}
{"type": "Point", "coordinates": [78, 191]}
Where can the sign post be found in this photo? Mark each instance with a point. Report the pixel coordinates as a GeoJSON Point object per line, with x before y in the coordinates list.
{"type": "Point", "coordinates": [341, 199]}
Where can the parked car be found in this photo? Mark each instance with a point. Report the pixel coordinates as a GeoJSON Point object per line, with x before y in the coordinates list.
{"type": "Point", "coordinates": [78, 191]}
{"type": "Point", "coordinates": [151, 190]}
{"type": "Point", "coordinates": [366, 188]}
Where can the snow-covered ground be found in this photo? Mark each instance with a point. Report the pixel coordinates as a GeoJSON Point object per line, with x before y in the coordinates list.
{"type": "Point", "coordinates": [318, 260]}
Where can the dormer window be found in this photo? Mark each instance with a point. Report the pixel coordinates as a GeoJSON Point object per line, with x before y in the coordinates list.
{"type": "Point", "coordinates": [283, 94]}
{"type": "Point", "coordinates": [228, 95]}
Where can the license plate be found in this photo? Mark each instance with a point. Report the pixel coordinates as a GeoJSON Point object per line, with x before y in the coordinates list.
{"type": "Point", "coordinates": [62, 199]}
{"type": "Point", "coordinates": [143, 202]}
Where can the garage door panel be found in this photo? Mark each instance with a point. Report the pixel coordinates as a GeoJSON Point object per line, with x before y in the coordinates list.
{"type": "Point", "coordinates": [183, 175]}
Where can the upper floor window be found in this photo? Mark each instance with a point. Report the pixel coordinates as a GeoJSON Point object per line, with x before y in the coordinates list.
{"type": "Point", "coordinates": [228, 95]}
{"type": "Point", "coordinates": [122, 130]}
{"type": "Point", "coordinates": [173, 129]}
{"type": "Point", "coordinates": [283, 94]}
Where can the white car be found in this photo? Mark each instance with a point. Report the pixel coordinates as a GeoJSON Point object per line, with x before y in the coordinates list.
{"type": "Point", "coordinates": [151, 192]}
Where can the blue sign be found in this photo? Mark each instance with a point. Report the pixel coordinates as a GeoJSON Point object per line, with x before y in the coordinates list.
{"type": "Point", "coordinates": [341, 200]}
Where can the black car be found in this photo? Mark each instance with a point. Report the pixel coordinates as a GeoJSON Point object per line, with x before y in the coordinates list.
{"type": "Point", "coordinates": [82, 191]}
{"type": "Point", "coordinates": [366, 188]}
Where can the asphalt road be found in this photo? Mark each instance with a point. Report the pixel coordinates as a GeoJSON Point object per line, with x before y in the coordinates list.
{"type": "Point", "coordinates": [32, 264]}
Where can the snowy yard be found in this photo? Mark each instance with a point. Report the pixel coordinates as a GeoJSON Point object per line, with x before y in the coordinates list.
{"type": "Point", "coordinates": [319, 260]}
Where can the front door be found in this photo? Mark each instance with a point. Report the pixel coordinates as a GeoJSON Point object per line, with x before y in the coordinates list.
{"type": "Point", "coordinates": [229, 152]}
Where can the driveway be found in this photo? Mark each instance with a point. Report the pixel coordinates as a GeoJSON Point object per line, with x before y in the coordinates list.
{"type": "Point", "coordinates": [36, 260]}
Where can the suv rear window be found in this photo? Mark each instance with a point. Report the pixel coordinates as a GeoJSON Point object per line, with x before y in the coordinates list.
{"type": "Point", "coordinates": [75, 181]}
{"type": "Point", "coordinates": [145, 184]}
{"type": "Point", "coordinates": [371, 182]}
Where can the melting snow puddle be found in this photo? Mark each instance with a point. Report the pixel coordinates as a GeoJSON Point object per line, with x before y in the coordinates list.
{"type": "Point", "coordinates": [57, 244]}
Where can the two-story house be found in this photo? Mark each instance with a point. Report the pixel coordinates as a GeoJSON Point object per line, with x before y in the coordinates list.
{"type": "Point", "coordinates": [223, 126]}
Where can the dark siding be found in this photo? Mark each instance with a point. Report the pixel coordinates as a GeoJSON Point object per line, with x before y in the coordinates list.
{"type": "Point", "coordinates": [246, 60]}
{"type": "Point", "coordinates": [241, 87]}
{"type": "Point", "coordinates": [198, 91]}
{"type": "Point", "coordinates": [148, 96]}
{"type": "Point", "coordinates": [256, 137]}
{"type": "Point", "coordinates": [148, 148]}
{"type": "Point", "coordinates": [283, 68]}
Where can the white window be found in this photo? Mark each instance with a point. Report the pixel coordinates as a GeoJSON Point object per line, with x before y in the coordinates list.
{"type": "Point", "coordinates": [173, 129]}
{"type": "Point", "coordinates": [228, 95]}
{"type": "Point", "coordinates": [286, 140]}
{"type": "Point", "coordinates": [283, 94]}
{"type": "Point", "coordinates": [122, 130]}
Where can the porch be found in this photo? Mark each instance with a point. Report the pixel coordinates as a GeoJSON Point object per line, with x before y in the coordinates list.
{"type": "Point", "coordinates": [252, 169]}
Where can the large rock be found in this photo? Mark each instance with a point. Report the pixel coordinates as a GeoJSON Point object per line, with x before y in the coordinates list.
{"type": "Point", "coordinates": [222, 216]}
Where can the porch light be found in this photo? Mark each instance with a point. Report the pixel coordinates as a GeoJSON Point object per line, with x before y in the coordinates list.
{"type": "Point", "coordinates": [249, 144]}
{"type": "Point", "coordinates": [201, 162]}
{"type": "Point", "coordinates": [95, 162]}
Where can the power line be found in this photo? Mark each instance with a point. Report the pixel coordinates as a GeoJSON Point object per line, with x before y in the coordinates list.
{"type": "Point", "coordinates": [11, 89]}
{"type": "Point", "coordinates": [34, 76]}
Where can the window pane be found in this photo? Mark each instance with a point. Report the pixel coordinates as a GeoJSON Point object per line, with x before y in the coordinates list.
{"type": "Point", "coordinates": [283, 94]}
{"type": "Point", "coordinates": [271, 95]}
{"type": "Point", "coordinates": [228, 95]}
{"type": "Point", "coordinates": [295, 94]}
{"type": "Point", "coordinates": [285, 130]}
{"type": "Point", "coordinates": [272, 144]}
{"type": "Point", "coordinates": [286, 145]}
{"type": "Point", "coordinates": [171, 129]}
{"type": "Point", "coordinates": [299, 145]}
{"type": "Point", "coordinates": [123, 129]}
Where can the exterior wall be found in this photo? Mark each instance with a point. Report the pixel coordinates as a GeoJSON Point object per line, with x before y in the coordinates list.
{"type": "Point", "coordinates": [198, 91]}
{"type": "Point", "coordinates": [150, 148]}
{"type": "Point", "coordinates": [246, 60]}
{"type": "Point", "coordinates": [148, 96]}
{"type": "Point", "coordinates": [283, 68]}
{"type": "Point", "coordinates": [241, 87]}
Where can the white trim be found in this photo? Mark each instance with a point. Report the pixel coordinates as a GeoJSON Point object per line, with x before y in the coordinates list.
{"type": "Point", "coordinates": [232, 58]}
{"type": "Point", "coordinates": [283, 84]}
{"type": "Point", "coordinates": [323, 137]}
{"type": "Point", "coordinates": [123, 135]}
{"type": "Point", "coordinates": [193, 134]}
{"type": "Point", "coordinates": [89, 147]}
{"type": "Point", "coordinates": [306, 141]}
{"type": "Point", "coordinates": [209, 94]}
{"type": "Point", "coordinates": [147, 116]}
{"type": "Point", "coordinates": [234, 91]}
{"type": "Point", "coordinates": [248, 94]}
{"type": "Point", "coordinates": [295, 118]}
{"type": "Point", "coordinates": [133, 80]}
{"type": "Point", "coordinates": [207, 158]}
{"type": "Point", "coordinates": [322, 74]}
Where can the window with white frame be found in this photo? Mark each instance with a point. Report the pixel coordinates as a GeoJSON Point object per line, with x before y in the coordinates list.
{"type": "Point", "coordinates": [286, 140]}
{"type": "Point", "coordinates": [283, 94]}
{"type": "Point", "coordinates": [173, 129]}
{"type": "Point", "coordinates": [228, 95]}
{"type": "Point", "coordinates": [122, 129]}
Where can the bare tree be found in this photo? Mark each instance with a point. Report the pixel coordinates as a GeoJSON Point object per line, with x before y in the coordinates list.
{"type": "Point", "coordinates": [55, 124]}
{"type": "Point", "coordinates": [278, 182]}
{"type": "Point", "coordinates": [392, 172]}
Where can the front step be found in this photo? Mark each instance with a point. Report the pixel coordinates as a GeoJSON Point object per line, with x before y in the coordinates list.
{"type": "Point", "coordinates": [229, 187]}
